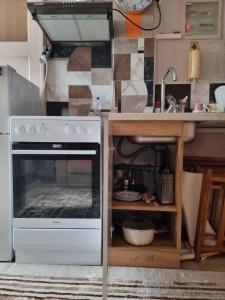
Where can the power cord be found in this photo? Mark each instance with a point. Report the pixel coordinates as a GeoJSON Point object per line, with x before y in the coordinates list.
{"type": "Point", "coordinates": [142, 28]}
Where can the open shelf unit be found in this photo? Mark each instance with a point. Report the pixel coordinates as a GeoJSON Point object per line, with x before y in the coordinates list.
{"type": "Point", "coordinates": [165, 250]}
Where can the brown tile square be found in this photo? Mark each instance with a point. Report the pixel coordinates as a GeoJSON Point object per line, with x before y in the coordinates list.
{"type": "Point", "coordinates": [149, 47]}
{"type": "Point", "coordinates": [80, 92]}
{"type": "Point", "coordinates": [80, 59]}
{"type": "Point", "coordinates": [122, 67]}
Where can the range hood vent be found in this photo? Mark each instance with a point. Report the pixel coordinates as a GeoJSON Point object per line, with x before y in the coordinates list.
{"type": "Point", "coordinates": [74, 22]}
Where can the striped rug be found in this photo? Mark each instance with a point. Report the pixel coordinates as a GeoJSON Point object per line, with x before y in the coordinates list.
{"type": "Point", "coordinates": [34, 287]}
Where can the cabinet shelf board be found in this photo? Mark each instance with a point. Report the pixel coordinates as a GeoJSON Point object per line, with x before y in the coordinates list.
{"type": "Point", "coordinates": [141, 206]}
{"type": "Point", "coordinates": [162, 253]}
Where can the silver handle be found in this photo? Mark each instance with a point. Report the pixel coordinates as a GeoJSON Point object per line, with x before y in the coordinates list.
{"type": "Point", "coordinates": [57, 152]}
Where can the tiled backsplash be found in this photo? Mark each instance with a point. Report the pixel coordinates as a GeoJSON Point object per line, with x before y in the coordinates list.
{"type": "Point", "coordinates": [121, 76]}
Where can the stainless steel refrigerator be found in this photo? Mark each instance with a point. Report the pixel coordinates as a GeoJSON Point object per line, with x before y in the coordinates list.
{"type": "Point", "coordinates": [18, 97]}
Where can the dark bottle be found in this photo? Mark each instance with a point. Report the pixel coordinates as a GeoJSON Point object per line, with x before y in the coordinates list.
{"type": "Point", "coordinates": [167, 186]}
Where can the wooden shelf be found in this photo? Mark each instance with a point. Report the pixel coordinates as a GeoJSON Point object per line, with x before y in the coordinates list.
{"type": "Point", "coordinates": [141, 206]}
{"type": "Point", "coordinates": [161, 253]}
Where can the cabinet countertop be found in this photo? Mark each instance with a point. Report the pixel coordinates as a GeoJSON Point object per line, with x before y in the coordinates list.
{"type": "Point", "coordinates": [187, 117]}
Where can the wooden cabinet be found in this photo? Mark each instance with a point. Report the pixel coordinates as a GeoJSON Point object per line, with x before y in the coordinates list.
{"type": "Point", "coordinates": [164, 252]}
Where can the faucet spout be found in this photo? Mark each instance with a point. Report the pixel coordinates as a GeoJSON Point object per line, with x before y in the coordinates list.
{"type": "Point", "coordinates": [163, 96]}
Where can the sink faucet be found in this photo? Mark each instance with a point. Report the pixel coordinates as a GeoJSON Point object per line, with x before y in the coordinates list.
{"type": "Point", "coordinates": [174, 74]}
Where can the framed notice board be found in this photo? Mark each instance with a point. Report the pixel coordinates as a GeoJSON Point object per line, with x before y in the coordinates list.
{"type": "Point", "coordinates": [203, 19]}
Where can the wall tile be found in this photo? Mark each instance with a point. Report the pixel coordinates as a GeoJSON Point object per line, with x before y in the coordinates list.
{"type": "Point", "coordinates": [148, 68]}
{"type": "Point", "coordinates": [62, 51]}
{"type": "Point", "coordinates": [58, 74]}
{"type": "Point", "coordinates": [133, 88]}
{"type": "Point", "coordinates": [57, 108]}
{"type": "Point", "coordinates": [101, 76]}
{"type": "Point", "coordinates": [101, 56]}
{"type": "Point", "coordinates": [57, 93]}
{"type": "Point", "coordinates": [122, 67]}
{"type": "Point", "coordinates": [80, 92]}
{"type": "Point", "coordinates": [137, 66]}
{"type": "Point", "coordinates": [79, 107]}
{"type": "Point", "coordinates": [149, 46]}
{"type": "Point", "coordinates": [125, 46]}
{"type": "Point", "coordinates": [200, 93]}
{"type": "Point", "coordinates": [106, 94]}
{"type": "Point", "coordinates": [133, 104]}
{"type": "Point", "coordinates": [80, 59]}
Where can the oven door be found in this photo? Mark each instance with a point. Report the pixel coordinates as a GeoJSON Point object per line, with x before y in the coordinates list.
{"type": "Point", "coordinates": [56, 185]}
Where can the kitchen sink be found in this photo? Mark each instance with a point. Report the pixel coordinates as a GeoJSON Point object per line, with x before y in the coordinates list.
{"type": "Point", "coordinates": [189, 135]}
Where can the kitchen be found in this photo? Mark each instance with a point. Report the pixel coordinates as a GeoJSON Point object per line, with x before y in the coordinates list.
{"type": "Point", "coordinates": [139, 58]}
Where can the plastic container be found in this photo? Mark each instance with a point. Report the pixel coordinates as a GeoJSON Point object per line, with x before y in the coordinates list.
{"type": "Point", "coordinates": [97, 106]}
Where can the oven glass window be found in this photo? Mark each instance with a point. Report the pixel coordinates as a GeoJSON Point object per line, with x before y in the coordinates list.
{"type": "Point", "coordinates": [58, 187]}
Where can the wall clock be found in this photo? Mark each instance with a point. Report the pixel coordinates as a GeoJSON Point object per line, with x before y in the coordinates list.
{"type": "Point", "coordinates": [133, 6]}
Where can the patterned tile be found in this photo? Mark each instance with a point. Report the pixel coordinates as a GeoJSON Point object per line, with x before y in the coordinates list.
{"type": "Point", "coordinates": [125, 46]}
{"type": "Point", "coordinates": [80, 92]}
{"type": "Point", "coordinates": [57, 93]}
{"type": "Point", "coordinates": [79, 107]}
{"type": "Point", "coordinates": [148, 68]}
{"type": "Point", "coordinates": [122, 66]}
{"type": "Point", "coordinates": [133, 88]}
{"type": "Point", "coordinates": [200, 93]}
{"type": "Point", "coordinates": [58, 74]}
{"type": "Point", "coordinates": [101, 76]}
{"type": "Point", "coordinates": [133, 104]}
{"type": "Point", "coordinates": [101, 56]}
{"type": "Point", "coordinates": [137, 66]}
{"type": "Point", "coordinates": [149, 47]}
{"type": "Point", "coordinates": [80, 59]}
{"type": "Point", "coordinates": [62, 51]}
{"type": "Point", "coordinates": [106, 94]}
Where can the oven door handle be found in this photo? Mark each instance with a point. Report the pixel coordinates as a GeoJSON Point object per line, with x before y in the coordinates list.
{"type": "Point", "coordinates": [56, 152]}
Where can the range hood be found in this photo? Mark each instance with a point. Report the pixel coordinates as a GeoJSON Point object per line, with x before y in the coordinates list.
{"type": "Point", "coordinates": [74, 22]}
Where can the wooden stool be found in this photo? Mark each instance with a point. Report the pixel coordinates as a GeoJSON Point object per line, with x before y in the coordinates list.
{"type": "Point", "coordinates": [212, 209]}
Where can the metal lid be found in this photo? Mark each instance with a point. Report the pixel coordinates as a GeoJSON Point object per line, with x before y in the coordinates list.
{"type": "Point", "coordinates": [139, 223]}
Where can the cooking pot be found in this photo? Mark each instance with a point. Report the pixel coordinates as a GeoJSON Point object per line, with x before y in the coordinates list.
{"type": "Point", "coordinates": [138, 231]}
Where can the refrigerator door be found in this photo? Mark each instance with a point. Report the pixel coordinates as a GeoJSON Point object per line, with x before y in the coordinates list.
{"type": "Point", "coordinates": [4, 99]}
{"type": "Point", "coordinates": [6, 248]}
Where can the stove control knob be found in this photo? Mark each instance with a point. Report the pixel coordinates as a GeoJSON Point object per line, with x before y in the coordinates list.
{"type": "Point", "coordinates": [19, 129]}
{"type": "Point", "coordinates": [68, 129]}
{"type": "Point", "coordinates": [79, 130]}
{"type": "Point", "coordinates": [41, 129]}
{"type": "Point", "coordinates": [30, 129]}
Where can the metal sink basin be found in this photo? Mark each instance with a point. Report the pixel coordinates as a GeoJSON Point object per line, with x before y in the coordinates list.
{"type": "Point", "coordinates": [189, 135]}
